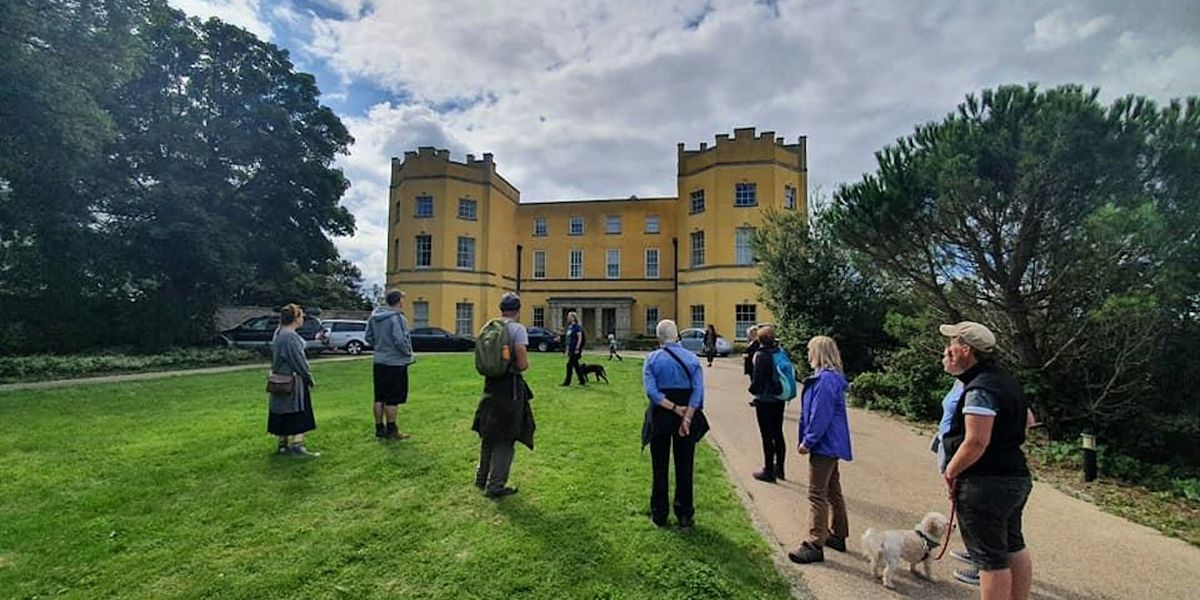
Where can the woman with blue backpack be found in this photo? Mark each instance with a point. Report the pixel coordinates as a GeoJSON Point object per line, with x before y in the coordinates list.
{"type": "Point", "coordinates": [772, 383]}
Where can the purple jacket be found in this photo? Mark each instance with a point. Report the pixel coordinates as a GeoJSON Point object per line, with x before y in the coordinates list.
{"type": "Point", "coordinates": [823, 427]}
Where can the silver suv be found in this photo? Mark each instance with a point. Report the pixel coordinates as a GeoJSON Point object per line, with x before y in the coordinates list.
{"type": "Point", "coordinates": [341, 334]}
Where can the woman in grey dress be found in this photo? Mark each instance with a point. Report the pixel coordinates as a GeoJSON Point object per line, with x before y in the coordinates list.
{"type": "Point", "coordinates": [291, 414]}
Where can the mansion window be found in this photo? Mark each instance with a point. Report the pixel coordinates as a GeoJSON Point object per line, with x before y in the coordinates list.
{"type": "Point", "coordinates": [467, 209]}
{"type": "Point", "coordinates": [789, 197]}
{"type": "Point", "coordinates": [698, 316]}
{"type": "Point", "coordinates": [464, 318]}
{"type": "Point", "coordinates": [697, 205]}
{"type": "Point", "coordinates": [744, 245]}
{"type": "Point", "coordinates": [745, 194]}
{"type": "Point", "coordinates": [744, 317]}
{"type": "Point", "coordinates": [466, 252]}
{"type": "Point", "coordinates": [576, 226]}
{"type": "Point", "coordinates": [612, 224]}
{"type": "Point", "coordinates": [612, 263]}
{"type": "Point", "coordinates": [652, 225]}
{"type": "Point", "coordinates": [697, 238]}
{"type": "Point", "coordinates": [652, 263]}
{"type": "Point", "coordinates": [539, 226]}
{"type": "Point", "coordinates": [420, 314]}
{"type": "Point", "coordinates": [424, 207]}
{"type": "Point", "coordinates": [424, 251]}
{"type": "Point", "coordinates": [651, 320]}
{"type": "Point", "coordinates": [539, 264]}
{"type": "Point", "coordinates": [576, 264]}
{"type": "Point", "coordinates": [539, 316]}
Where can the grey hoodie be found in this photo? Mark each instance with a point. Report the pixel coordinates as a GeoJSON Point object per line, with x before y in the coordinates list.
{"type": "Point", "coordinates": [387, 333]}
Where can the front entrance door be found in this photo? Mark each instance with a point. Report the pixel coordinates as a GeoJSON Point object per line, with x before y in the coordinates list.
{"type": "Point", "coordinates": [608, 321]}
{"type": "Point", "coordinates": [588, 319]}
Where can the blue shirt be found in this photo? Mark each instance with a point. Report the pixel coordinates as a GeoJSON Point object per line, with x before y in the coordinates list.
{"type": "Point", "coordinates": [574, 330]}
{"type": "Point", "coordinates": [661, 372]}
{"type": "Point", "coordinates": [949, 405]}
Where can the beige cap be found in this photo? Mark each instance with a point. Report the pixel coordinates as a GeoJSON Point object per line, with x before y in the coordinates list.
{"type": "Point", "coordinates": [975, 335]}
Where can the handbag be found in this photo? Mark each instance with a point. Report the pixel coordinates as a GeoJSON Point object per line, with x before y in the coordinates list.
{"type": "Point", "coordinates": [280, 384]}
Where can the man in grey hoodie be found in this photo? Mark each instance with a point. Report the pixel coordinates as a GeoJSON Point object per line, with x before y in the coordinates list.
{"type": "Point", "coordinates": [387, 333]}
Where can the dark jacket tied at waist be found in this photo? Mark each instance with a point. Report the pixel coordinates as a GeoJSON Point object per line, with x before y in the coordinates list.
{"type": "Point", "coordinates": [504, 413]}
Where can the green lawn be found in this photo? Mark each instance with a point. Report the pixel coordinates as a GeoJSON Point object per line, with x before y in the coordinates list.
{"type": "Point", "coordinates": [171, 489]}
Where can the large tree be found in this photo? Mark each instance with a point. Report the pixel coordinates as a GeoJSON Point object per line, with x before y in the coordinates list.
{"type": "Point", "coordinates": [1060, 222]}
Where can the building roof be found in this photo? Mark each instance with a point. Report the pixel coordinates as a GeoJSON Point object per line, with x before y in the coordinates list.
{"type": "Point", "coordinates": [560, 299]}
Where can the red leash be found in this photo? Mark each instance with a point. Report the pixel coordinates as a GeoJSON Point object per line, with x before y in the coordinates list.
{"type": "Point", "coordinates": [950, 527]}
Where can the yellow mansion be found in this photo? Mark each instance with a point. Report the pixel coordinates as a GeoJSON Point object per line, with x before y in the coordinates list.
{"type": "Point", "coordinates": [460, 237]}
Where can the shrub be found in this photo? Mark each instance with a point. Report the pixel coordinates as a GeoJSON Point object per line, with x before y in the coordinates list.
{"type": "Point", "coordinates": [41, 367]}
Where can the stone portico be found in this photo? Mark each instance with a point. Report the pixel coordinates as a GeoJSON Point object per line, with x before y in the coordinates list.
{"type": "Point", "coordinates": [598, 315]}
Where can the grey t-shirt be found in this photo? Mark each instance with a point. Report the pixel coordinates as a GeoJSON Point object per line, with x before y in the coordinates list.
{"type": "Point", "coordinates": [517, 334]}
{"type": "Point", "coordinates": [979, 402]}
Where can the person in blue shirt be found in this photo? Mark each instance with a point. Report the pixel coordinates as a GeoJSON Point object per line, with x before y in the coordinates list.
{"type": "Point", "coordinates": [574, 349]}
{"type": "Point", "coordinates": [825, 438]}
{"type": "Point", "coordinates": [674, 383]}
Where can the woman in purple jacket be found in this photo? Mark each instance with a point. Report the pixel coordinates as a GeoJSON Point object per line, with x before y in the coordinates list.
{"type": "Point", "coordinates": [825, 438]}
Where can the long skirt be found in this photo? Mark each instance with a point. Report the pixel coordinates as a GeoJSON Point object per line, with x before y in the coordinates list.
{"type": "Point", "coordinates": [295, 422]}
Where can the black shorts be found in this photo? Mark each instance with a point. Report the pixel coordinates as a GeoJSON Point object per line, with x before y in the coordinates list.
{"type": "Point", "coordinates": [989, 513]}
{"type": "Point", "coordinates": [391, 384]}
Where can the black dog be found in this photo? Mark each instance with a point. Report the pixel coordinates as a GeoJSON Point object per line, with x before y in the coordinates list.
{"type": "Point", "coordinates": [597, 370]}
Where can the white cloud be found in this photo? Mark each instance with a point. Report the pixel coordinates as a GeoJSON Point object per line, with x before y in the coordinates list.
{"type": "Point", "coordinates": [243, 13]}
{"type": "Point", "coordinates": [1065, 25]}
{"type": "Point", "coordinates": [587, 98]}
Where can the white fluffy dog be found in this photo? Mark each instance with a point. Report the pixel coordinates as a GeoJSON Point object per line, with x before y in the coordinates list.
{"type": "Point", "coordinates": [885, 549]}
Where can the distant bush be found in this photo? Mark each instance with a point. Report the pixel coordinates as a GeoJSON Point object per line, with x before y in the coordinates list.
{"type": "Point", "coordinates": [42, 367]}
{"type": "Point", "coordinates": [640, 342]}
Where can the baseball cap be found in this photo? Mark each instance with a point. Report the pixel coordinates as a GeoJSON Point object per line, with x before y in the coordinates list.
{"type": "Point", "coordinates": [973, 334]}
{"type": "Point", "coordinates": [510, 301]}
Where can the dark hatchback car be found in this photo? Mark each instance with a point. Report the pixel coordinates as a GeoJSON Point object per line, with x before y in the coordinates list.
{"type": "Point", "coordinates": [436, 339]}
{"type": "Point", "coordinates": [256, 332]}
{"type": "Point", "coordinates": [543, 340]}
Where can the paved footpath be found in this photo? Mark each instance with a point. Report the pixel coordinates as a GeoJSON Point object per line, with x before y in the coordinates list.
{"type": "Point", "coordinates": [1078, 550]}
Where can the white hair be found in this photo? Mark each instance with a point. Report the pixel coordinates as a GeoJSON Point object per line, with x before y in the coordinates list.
{"type": "Point", "coordinates": [667, 331]}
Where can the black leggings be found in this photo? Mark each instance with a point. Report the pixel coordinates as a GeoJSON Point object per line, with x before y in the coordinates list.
{"type": "Point", "coordinates": [770, 425]}
{"type": "Point", "coordinates": [573, 367]}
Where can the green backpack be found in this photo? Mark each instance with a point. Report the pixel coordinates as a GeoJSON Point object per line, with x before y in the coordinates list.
{"type": "Point", "coordinates": [493, 349]}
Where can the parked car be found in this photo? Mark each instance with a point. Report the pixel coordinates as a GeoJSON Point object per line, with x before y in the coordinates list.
{"type": "Point", "coordinates": [693, 340]}
{"type": "Point", "coordinates": [436, 339]}
{"type": "Point", "coordinates": [342, 334]}
{"type": "Point", "coordinates": [543, 340]}
{"type": "Point", "coordinates": [256, 333]}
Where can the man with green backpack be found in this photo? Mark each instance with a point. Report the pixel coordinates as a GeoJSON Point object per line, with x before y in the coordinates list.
{"type": "Point", "coordinates": [504, 415]}
{"type": "Point", "coordinates": [773, 384]}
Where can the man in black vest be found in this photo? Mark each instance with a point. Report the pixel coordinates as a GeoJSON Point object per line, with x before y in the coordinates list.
{"type": "Point", "coordinates": [987, 475]}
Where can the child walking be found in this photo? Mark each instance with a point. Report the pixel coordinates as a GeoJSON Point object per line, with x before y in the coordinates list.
{"type": "Point", "coordinates": [612, 346]}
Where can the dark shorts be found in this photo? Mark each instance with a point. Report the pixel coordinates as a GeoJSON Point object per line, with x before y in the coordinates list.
{"type": "Point", "coordinates": [391, 384]}
{"type": "Point", "coordinates": [989, 513]}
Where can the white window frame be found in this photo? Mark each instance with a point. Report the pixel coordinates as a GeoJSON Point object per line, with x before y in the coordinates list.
{"type": "Point", "coordinates": [465, 251]}
{"type": "Point", "coordinates": [789, 197]}
{"type": "Point", "coordinates": [417, 251]}
{"type": "Point", "coordinates": [745, 194]}
{"type": "Point", "coordinates": [656, 272]}
{"type": "Point", "coordinates": [539, 270]}
{"type": "Point", "coordinates": [657, 228]}
{"type": "Point", "coordinates": [575, 267]}
{"type": "Point", "coordinates": [742, 325]}
{"type": "Point", "coordinates": [539, 316]}
{"type": "Point", "coordinates": [698, 324]}
{"type": "Point", "coordinates": [469, 318]}
{"type": "Point", "coordinates": [423, 200]}
{"type": "Point", "coordinates": [418, 319]}
{"type": "Point", "coordinates": [696, 199]}
{"type": "Point", "coordinates": [612, 224]}
{"type": "Point", "coordinates": [696, 254]}
{"type": "Point", "coordinates": [743, 249]}
{"type": "Point", "coordinates": [540, 227]}
{"type": "Point", "coordinates": [652, 319]}
{"type": "Point", "coordinates": [609, 270]}
{"type": "Point", "coordinates": [473, 212]}
{"type": "Point", "coordinates": [571, 226]}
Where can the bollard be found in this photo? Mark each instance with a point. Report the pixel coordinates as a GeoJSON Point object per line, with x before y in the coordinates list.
{"type": "Point", "coordinates": [1089, 457]}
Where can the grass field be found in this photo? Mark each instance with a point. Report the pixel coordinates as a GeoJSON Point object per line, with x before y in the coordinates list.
{"type": "Point", "coordinates": [171, 489]}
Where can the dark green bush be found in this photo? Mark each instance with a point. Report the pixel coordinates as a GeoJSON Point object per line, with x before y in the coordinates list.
{"type": "Point", "coordinates": [41, 367]}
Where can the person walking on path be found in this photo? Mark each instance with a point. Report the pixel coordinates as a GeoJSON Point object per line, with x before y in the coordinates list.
{"type": "Point", "coordinates": [768, 407]}
{"type": "Point", "coordinates": [504, 416]}
{"type": "Point", "coordinates": [387, 333]}
{"type": "Point", "coordinates": [612, 347]}
{"type": "Point", "coordinates": [574, 349]}
{"type": "Point", "coordinates": [674, 385]}
{"type": "Point", "coordinates": [825, 438]}
{"type": "Point", "coordinates": [987, 476]}
{"type": "Point", "coordinates": [710, 343]}
{"type": "Point", "coordinates": [291, 412]}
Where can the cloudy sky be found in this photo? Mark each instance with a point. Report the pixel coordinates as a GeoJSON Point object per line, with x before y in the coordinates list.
{"type": "Point", "coordinates": [588, 98]}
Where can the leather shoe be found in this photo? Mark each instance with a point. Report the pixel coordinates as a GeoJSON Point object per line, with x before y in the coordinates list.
{"type": "Point", "coordinates": [807, 553]}
{"type": "Point", "coordinates": [837, 543]}
{"type": "Point", "coordinates": [500, 493]}
{"type": "Point", "coordinates": [765, 475]}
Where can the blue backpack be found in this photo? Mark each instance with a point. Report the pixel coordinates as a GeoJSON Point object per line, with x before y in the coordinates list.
{"type": "Point", "coordinates": [785, 372]}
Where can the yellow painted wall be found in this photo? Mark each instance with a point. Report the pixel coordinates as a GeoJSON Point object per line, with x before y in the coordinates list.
{"type": "Point", "coordinates": [504, 223]}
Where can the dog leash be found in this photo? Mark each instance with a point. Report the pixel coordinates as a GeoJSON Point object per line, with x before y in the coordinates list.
{"type": "Point", "coordinates": [950, 527]}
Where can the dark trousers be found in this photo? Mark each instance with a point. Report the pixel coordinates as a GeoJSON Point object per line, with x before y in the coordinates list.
{"type": "Point", "coordinates": [495, 462]}
{"type": "Point", "coordinates": [661, 445]}
{"type": "Point", "coordinates": [573, 367]}
{"type": "Point", "coordinates": [770, 426]}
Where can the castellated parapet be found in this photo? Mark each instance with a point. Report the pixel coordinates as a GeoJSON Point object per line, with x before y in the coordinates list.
{"type": "Point", "coordinates": [429, 162]}
{"type": "Point", "coordinates": [745, 146]}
